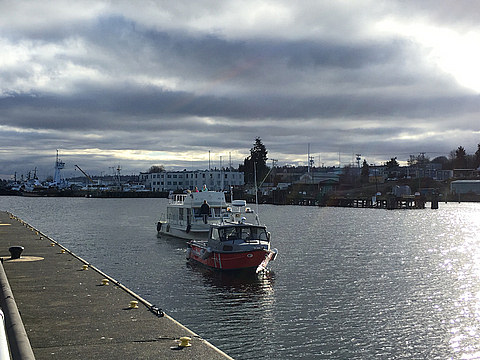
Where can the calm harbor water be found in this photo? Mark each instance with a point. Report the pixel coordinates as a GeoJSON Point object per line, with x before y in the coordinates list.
{"type": "Point", "coordinates": [347, 284]}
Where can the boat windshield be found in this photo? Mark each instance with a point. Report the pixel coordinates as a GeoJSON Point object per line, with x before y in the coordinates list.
{"type": "Point", "coordinates": [245, 233]}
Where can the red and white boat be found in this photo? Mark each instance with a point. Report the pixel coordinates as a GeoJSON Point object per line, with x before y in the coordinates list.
{"type": "Point", "coordinates": [234, 244]}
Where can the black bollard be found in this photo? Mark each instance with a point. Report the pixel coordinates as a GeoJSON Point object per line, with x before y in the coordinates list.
{"type": "Point", "coordinates": [16, 251]}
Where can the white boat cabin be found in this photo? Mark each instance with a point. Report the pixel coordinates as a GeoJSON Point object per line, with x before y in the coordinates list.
{"type": "Point", "coordinates": [184, 209]}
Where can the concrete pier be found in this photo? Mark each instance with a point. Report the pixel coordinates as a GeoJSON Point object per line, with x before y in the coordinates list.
{"type": "Point", "coordinates": [72, 310]}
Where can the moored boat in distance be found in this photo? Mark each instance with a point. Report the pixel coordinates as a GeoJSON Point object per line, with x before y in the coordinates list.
{"type": "Point", "coordinates": [235, 243]}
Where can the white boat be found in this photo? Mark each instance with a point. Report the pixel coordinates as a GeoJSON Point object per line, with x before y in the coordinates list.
{"type": "Point", "coordinates": [183, 218]}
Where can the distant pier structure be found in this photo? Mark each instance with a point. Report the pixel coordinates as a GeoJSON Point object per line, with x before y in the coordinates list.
{"type": "Point", "coordinates": [388, 202]}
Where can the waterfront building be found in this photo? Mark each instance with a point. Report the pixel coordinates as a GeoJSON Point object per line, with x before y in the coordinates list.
{"type": "Point", "coordinates": [318, 178]}
{"type": "Point", "coordinates": [442, 175]}
{"type": "Point", "coordinates": [465, 186]}
{"type": "Point", "coordinates": [187, 180]}
{"type": "Point", "coordinates": [466, 173]}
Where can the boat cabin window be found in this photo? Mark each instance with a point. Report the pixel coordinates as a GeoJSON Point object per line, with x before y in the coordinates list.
{"type": "Point", "coordinates": [245, 233]}
{"type": "Point", "coordinates": [214, 234]}
{"type": "Point", "coordinates": [172, 214]}
{"type": "Point", "coordinates": [259, 233]}
{"type": "Point", "coordinates": [240, 232]}
{"type": "Point", "coordinates": [229, 234]}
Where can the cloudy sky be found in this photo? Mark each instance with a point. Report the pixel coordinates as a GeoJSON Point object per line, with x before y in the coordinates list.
{"type": "Point", "coordinates": [141, 83]}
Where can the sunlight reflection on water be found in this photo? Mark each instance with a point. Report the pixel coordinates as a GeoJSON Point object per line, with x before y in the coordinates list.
{"type": "Point", "coordinates": [348, 283]}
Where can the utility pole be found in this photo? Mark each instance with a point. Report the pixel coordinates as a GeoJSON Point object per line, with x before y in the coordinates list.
{"type": "Point", "coordinates": [308, 159]}
{"type": "Point", "coordinates": [222, 178]}
{"type": "Point", "coordinates": [274, 161]}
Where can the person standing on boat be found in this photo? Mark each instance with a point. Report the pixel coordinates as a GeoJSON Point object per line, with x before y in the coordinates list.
{"type": "Point", "coordinates": [205, 211]}
{"type": "Point", "coordinates": [204, 188]}
{"type": "Point", "coordinates": [196, 189]}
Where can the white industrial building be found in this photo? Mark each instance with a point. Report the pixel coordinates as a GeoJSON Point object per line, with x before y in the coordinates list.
{"type": "Point", "coordinates": [188, 180]}
{"type": "Point", "coordinates": [465, 186]}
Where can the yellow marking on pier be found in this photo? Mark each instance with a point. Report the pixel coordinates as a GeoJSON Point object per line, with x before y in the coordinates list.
{"type": "Point", "coordinates": [24, 259]}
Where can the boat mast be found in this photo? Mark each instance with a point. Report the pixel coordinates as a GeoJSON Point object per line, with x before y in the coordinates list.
{"type": "Point", "coordinates": [256, 191]}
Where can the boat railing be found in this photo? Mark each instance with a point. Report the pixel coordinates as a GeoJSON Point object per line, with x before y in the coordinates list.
{"type": "Point", "coordinates": [177, 199]}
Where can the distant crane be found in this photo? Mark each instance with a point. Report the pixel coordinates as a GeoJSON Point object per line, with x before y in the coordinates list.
{"type": "Point", "coordinates": [84, 173]}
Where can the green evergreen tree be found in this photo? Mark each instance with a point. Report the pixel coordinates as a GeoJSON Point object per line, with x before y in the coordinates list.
{"type": "Point", "coordinates": [392, 166]}
{"type": "Point", "coordinates": [156, 169]}
{"type": "Point", "coordinates": [257, 159]}
{"type": "Point", "coordinates": [460, 161]}
{"type": "Point", "coordinates": [477, 157]}
{"type": "Point", "coordinates": [392, 163]}
{"type": "Point", "coordinates": [365, 172]}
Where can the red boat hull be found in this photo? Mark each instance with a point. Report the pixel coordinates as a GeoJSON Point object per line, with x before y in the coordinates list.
{"type": "Point", "coordinates": [227, 261]}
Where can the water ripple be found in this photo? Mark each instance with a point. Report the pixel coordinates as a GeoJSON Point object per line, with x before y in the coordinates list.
{"type": "Point", "coordinates": [347, 284]}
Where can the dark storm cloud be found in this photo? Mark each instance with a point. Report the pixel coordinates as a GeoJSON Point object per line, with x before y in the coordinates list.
{"type": "Point", "coordinates": [163, 77]}
{"type": "Point", "coordinates": [101, 108]}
